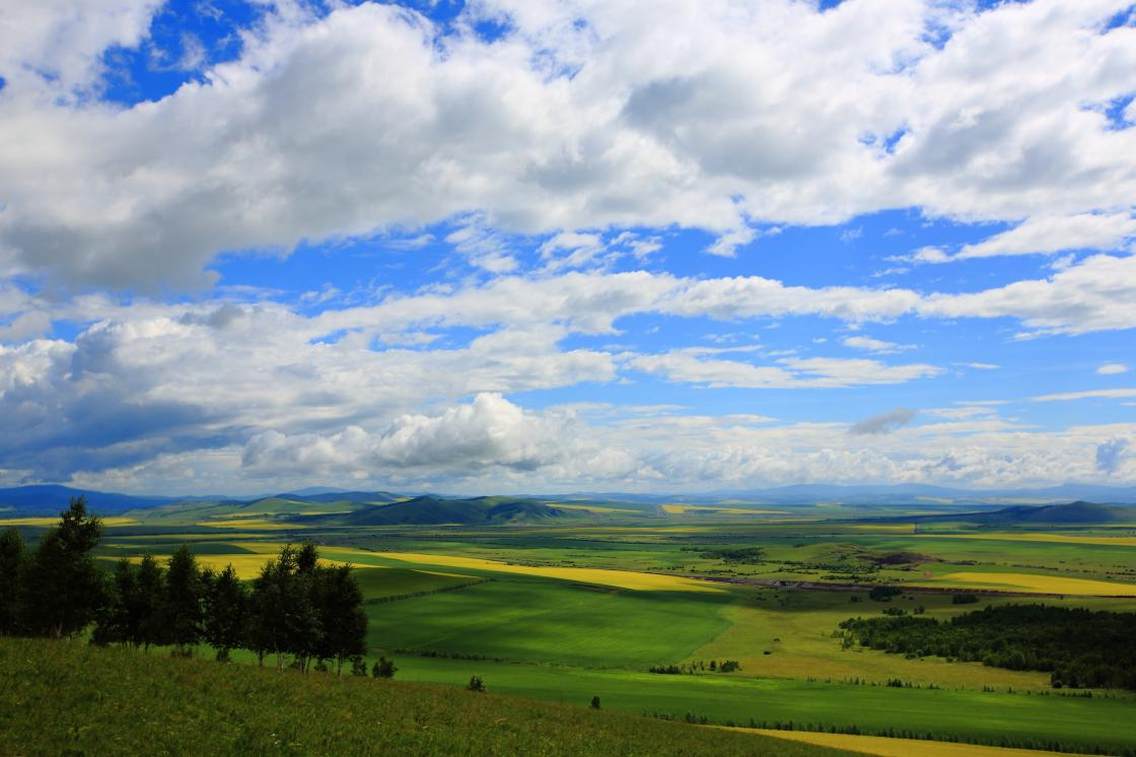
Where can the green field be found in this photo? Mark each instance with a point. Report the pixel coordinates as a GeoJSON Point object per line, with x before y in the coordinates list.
{"type": "Point", "coordinates": [69, 698]}
{"type": "Point", "coordinates": [564, 612]}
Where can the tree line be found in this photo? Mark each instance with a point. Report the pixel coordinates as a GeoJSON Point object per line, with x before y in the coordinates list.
{"type": "Point", "coordinates": [1079, 648]}
{"type": "Point", "coordinates": [295, 607]}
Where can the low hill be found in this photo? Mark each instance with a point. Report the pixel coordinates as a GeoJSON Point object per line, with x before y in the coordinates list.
{"type": "Point", "coordinates": [341, 496]}
{"type": "Point", "coordinates": [66, 697]}
{"type": "Point", "coordinates": [51, 499]}
{"type": "Point", "coordinates": [1071, 513]}
{"type": "Point", "coordinates": [432, 510]}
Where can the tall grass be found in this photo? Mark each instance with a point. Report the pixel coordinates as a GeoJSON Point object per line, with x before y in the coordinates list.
{"type": "Point", "coordinates": [67, 697]}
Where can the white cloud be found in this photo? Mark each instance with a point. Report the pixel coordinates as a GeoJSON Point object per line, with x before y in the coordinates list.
{"type": "Point", "coordinates": [693, 367]}
{"type": "Point", "coordinates": [572, 121]}
{"type": "Point", "coordinates": [1096, 295]}
{"type": "Point", "coordinates": [58, 44]}
{"type": "Point", "coordinates": [879, 346]}
{"type": "Point", "coordinates": [1086, 395]}
{"type": "Point", "coordinates": [489, 432]}
{"type": "Point", "coordinates": [1112, 369]}
{"type": "Point", "coordinates": [1051, 234]}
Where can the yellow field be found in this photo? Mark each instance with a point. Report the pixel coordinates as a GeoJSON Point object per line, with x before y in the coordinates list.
{"type": "Point", "coordinates": [1028, 582]}
{"type": "Point", "coordinates": [676, 509]}
{"type": "Point", "coordinates": [46, 521]}
{"type": "Point", "coordinates": [620, 579]}
{"type": "Point", "coordinates": [887, 747]}
{"type": "Point", "coordinates": [260, 525]}
{"type": "Point", "coordinates": [899, 528]}
{"type": "Point", "coordinates": [597, 509]}
{"type": "Point", "coordinates": [1117, 541]}
{"type": "Point", "coordinates": [247, 566]}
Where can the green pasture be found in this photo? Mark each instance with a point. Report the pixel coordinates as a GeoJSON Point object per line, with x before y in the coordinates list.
{"type": "Point", "coordinates": [66, 697]}
{"type": "Point", "coordinates": [543, 620]}
{"type": "Point", "coordinates": [1040, 720]}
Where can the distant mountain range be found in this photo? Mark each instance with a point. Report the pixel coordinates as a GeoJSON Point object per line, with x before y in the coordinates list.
{"type": "Point", "coordinates": [1072, 513]}
{"type": "Point", "coordinates": [49, 499]}
{"type": "Point", "coordinates": [868, 495]}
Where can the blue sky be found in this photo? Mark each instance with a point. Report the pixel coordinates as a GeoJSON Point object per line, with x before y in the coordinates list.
{"type": "Point", "coordinates": [552, 246]}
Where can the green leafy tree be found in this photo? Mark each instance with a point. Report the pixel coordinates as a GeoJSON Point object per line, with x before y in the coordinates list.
{"type": "Point", "coordinates": [305, 638]}
{"type": "Point", "coordinates": [226, 608]}
{"type": "Point", "coordinates": [282, 619]}
{"type": "Point", "coordinates": [343, 624]}
{"type": "Point", "coordinates": [62, 589]}
{"type": "Point", "coordinates": [117, 622]}
{"type": "Point", "coordinates": [11, 563]}
{"type": "Point", "coordinates": [182, 616]}
{"type": "Point", "coordinates": [148, 604]}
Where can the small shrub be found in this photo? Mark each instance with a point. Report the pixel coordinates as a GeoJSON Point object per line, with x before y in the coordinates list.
{"type": "Point", "coordinates": [884, 593]}
{"type": "Point", "coordinates": [384, 668]}
{"type": "Point", "coordinates": [476, 684]}
{"type": "Point", "coordinates": [595, 703]}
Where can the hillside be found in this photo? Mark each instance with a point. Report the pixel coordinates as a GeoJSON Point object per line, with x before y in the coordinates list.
{"type": "Point", "coordinates": [1071, 513]}
{"type": "Point", "coordinates": [68, 697]}
{"type": "Point", "coordinates": [433, 510]}
{"type": "Point", "coordinates": [50, 499]}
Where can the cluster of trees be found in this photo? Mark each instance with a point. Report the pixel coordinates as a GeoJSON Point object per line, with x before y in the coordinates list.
{"type": "Point", "coordinates": [295, 607]}
{"type": "Point", "coordinates": [697, 666]}
{"type": "Point", "coordinates": [1079, 648]}
{"type": "Point", "coordinates": [55, 589]}
{"type": "Point", "coordinates": [884, 593]}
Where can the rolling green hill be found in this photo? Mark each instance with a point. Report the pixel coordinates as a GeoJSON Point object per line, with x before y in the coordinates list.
{"type": "Point", "coordinates": [432, 510]}
{"type": "Point", "coordinates": [68, 697]}
{"type": "Point", "coordinates": [1071, 513]}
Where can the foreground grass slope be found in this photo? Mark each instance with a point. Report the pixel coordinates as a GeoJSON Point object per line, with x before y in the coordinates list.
{"type": "Point", "coordinates": [67, 697]}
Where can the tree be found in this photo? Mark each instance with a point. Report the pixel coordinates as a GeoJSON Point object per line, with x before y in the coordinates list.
{"type": "Point", "coordinates": [11, 563]}
{"type": "Point", "coordinates": [182, 616]}
{"type": "Point", "coordinates": [283, 619]}
{"type": "Point", "coordinates": [61, 589]}
{"type": "Point", "coordinates": [149, 601]}
{"type": "Point", "coordinates": [476, 684]}
{"type": "Point", "coordinates": [305, 638]}
{"type": "Point", "coordinates": [226, 605]}
{"type": "Point", "coordinates": [595, 703]}
{"type": "Point", "coordinates": [339, 602]}
{"type": "Point", "coordinates": [118, 622]}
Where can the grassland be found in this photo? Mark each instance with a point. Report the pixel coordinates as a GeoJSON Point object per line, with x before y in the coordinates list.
{"type": "Point", "coordinates": [565, 612]}
{"type": "Point", "coordinates": [68, 698]}
{"type": "Point", "coordinates": [1042, 584]}
{"type": "Point", "coordinates": [891, 747]}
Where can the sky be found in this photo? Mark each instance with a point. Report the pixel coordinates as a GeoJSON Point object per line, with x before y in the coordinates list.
{"type": "Point", "coordinates": [541, 246]}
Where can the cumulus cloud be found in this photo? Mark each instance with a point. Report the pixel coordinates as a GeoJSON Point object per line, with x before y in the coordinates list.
{"type": "Point", "coordinates": [762, 113]}
{"type": "Point", "coordinates": [1109, 454]}
{"type": "Point", "coordinates": [489, 432]}
{"type": "Point", "coordinates": [547, 160]}
{"type": "Point", "coordinates": [884, 423]}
